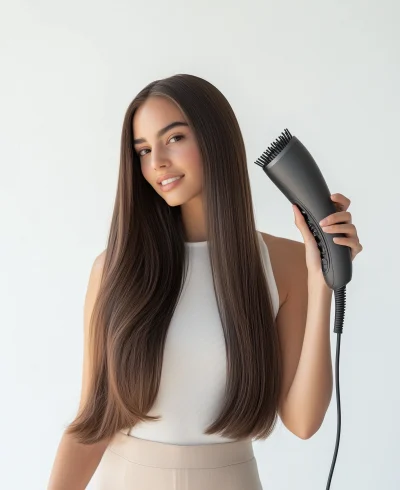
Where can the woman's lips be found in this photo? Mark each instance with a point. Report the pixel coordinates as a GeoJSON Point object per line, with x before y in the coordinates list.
{"type": "Point", "coordinates": [171, 185]}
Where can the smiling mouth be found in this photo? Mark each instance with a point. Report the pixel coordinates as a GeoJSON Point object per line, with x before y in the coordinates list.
{"type": "Point", "coordinates": [170, 185]}
{"type": "Point", "coordinates": [175, 180]}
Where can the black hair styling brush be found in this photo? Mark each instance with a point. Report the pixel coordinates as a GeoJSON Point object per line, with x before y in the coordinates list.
{"type": "Point", "coordinates": [290, 166]}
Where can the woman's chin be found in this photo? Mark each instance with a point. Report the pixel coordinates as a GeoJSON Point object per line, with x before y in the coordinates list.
{"type": "Point", "coordinates": [174, 201]}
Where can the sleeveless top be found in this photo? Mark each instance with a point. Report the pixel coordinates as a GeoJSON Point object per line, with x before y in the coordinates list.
{"type": "Point", "coordinates": [194, 365]}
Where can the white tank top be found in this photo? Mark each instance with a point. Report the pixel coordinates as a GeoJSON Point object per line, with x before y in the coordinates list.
{"type": "Point", "coordinates": [194, 371]}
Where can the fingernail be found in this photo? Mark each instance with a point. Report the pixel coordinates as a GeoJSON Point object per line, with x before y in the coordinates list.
{"type": "Point", "coordinates": [323, 222]}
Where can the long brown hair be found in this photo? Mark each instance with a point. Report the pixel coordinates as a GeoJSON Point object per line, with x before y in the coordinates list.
{"type": "Point", "coordinates": [145, 268]}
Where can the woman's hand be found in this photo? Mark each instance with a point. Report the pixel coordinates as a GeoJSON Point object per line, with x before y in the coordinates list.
{"type": "Point", "coordinates": [329, 225]}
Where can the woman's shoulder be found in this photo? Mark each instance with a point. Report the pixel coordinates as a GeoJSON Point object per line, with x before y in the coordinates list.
{"type": "Point", "coordinates": [284, 254]}
{"type": "Point", "coordinates": [99, 260]}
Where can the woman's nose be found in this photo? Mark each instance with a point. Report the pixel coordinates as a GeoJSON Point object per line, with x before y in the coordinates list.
{"type": "Point", "coordinates": [159, 159]}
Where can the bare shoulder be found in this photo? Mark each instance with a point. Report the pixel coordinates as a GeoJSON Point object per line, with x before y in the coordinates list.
{"type": "Point", "coordinates": [98, 263]}
{"type": "Point", "coordinates": [96, 273]}
{"type": "Point", "coordinates": [287, 260]}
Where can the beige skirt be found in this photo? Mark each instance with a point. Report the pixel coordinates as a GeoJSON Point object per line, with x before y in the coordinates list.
{"type": "Point", "coordinates": [130, 463]}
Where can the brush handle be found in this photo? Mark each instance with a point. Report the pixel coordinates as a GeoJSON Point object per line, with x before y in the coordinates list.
{"type": "Point", "coordinates": [296, 174]}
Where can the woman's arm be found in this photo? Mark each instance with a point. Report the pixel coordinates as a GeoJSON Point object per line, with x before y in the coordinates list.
{"type": "Point", "coordinates": [305, 330]}
{"type": "Point", "coordinates": [303, 323]}
{"type": "Point", "coordinates": [304, 335]}
{"type": "Point", "coordinates": [74, 462]}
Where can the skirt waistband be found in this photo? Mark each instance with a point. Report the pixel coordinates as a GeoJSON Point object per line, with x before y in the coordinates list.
{"type": "Point", "coordinates": [163, 455]}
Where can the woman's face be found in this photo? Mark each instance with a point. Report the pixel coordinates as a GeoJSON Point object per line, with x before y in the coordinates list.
{"type": "Point", "coordinates": [175, 151]}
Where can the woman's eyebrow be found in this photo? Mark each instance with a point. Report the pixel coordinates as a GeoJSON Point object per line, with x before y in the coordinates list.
{"type": "Point", "coordinates": [162, 131]}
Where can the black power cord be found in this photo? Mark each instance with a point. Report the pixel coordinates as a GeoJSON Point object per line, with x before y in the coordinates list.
{"type": "Point", "coordinates": [340, 306]}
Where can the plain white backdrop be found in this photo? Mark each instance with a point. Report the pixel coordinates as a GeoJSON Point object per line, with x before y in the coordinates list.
{"type": "Point", "coordinates": [328, 71]}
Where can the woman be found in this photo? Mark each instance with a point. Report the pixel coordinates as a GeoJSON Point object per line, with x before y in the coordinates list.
{"type": "Point", "coordinates": [197, 334]}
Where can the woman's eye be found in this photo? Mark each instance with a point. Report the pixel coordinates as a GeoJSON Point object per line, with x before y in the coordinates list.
{"type": "Point", "coordinates": [173, 137]}
{"type": "Point", "coordinates": [176, 136]}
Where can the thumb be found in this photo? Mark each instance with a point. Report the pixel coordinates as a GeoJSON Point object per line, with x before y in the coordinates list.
{"type": "Point", "coordinates": [301, 224]}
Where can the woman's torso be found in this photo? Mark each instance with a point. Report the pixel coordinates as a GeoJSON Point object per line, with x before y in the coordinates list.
{"type": "Point", "coordinates": [194, 365]}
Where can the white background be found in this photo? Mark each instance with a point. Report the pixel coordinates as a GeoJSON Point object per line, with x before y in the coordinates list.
{"type": "Point", "coordinates": [328, 71]}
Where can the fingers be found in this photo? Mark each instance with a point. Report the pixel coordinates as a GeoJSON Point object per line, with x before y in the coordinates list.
{"type": "Point", "coordinates": [348, 228]}
{"type": "Point", "coordinates": [340, 217]}
{"type": "Point", "coordinates": [352, 243]}
{"type": "Point", "coordinates": [341, 201]}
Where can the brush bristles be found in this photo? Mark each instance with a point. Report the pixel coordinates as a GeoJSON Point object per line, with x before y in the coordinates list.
{"type": "Point", "coordinates": [276, 147]}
